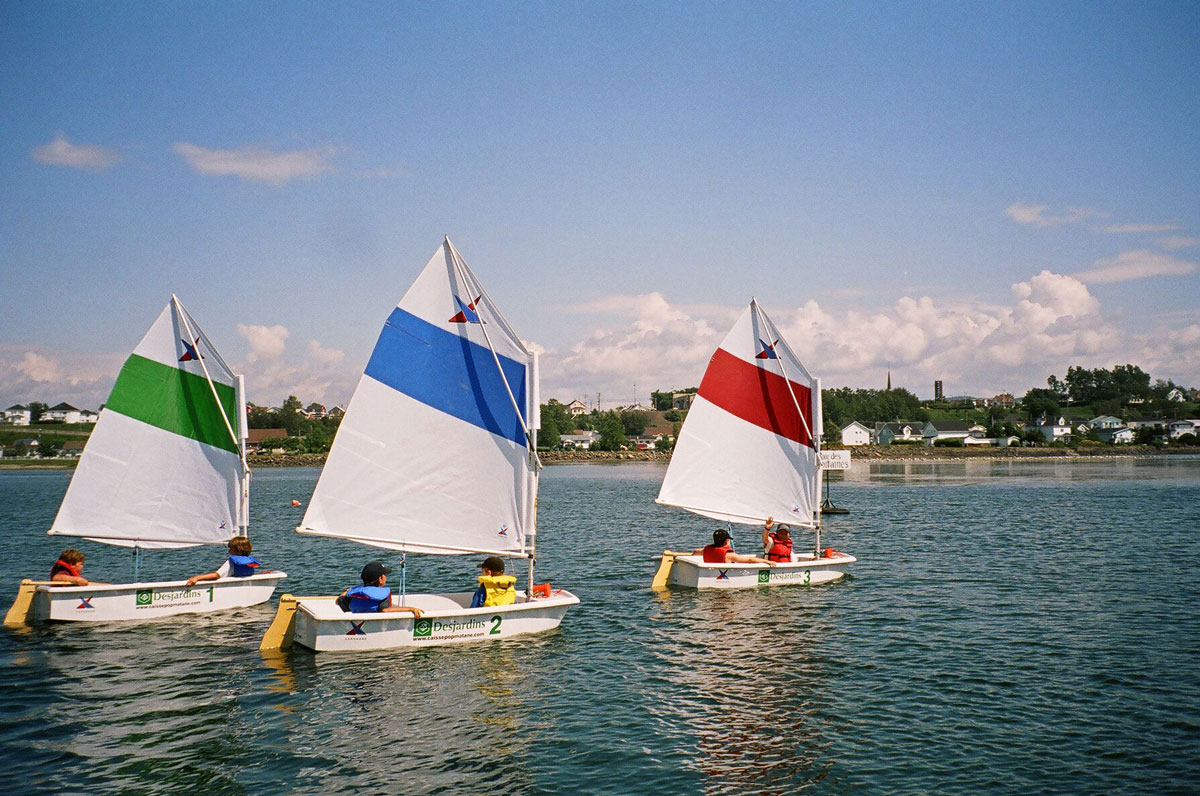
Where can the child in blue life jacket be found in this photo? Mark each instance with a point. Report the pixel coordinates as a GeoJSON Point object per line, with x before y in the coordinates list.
{"type": "Point", "coordinates": [240, 563]}
{"type": "Point", "coordinates": [373, 596]}
{"type": "Point", "coordinates": [495, 588]}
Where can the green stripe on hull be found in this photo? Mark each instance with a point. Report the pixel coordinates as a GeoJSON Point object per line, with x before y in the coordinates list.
{"type": "Point", "coordinates": [174, 400]}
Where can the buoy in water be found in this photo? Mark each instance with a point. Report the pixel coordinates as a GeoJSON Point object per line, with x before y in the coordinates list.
{"type": "Point", "coordinates": [295, 502]}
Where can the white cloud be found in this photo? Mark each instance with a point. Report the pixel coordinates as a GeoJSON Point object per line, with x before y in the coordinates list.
{"type": "Point", "coordinates": [1176, 242]}
{"type": "Point", "coordinates": [1041, 215]}
{"type": "Point", "coordinates": [255, 164]}
{"type": "Point", "coordinates": [1131, 265]}
{"type": "Point", "coordinates": [38, 368]}
{"type": "Point", "coordinates": [325, 356]}
{"type": "Point", "coordinates": [1051, 322]}
{"type": "Point", "coordinates": [36, 373]}
{"type": "Point", "coordinates": [266, 342]}
{"type": "Point", "coordinates": [61, 152]}
{"type": "Point", "coordinates": [271, 376]}
{"type": "Point", "coordinates": [1124, 229]}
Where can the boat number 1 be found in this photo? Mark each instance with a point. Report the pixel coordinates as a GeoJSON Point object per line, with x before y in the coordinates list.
{"type": "Point", "coordinates": [495, 631]}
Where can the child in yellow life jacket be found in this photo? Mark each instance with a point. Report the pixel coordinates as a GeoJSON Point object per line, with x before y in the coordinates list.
{"type": "Point", "coordinates": [495, 588]}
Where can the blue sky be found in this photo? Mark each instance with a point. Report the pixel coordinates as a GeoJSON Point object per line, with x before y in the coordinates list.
{"type": "Point", "coordinates": [982, 193]}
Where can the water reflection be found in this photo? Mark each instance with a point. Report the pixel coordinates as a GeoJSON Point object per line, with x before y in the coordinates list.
{"type": "Point", "coordinates": [747, 684]}
{"type": "Point", "coordinates": [437, 720]}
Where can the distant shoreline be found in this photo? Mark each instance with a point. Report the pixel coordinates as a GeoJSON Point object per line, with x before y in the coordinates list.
{"type": "Point", "coordinates": [871, 453]}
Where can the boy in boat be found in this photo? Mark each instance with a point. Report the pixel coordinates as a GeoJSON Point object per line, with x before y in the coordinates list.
{"type": "Point", "coordinates": [240, 563]}
{"type": "Point", "coordinates": [721, 551]}
{"type": "Point", "coordinates": [68, 569]}
{"type": "Point", "coordinates": [777, 544]}
{"type": "Point", "coordinates": [372, 596]}
{"type": "Point", "coordinates": [495, 588]}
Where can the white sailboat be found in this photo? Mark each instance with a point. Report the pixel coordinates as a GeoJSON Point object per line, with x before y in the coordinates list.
{"type": "Point", "coordinates": [749, 449]}
{"type": "Point", "coordinates": [165, 467]}
{"type": "Point", "coordinates": [436, 454]}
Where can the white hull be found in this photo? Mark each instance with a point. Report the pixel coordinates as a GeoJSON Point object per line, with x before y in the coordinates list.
{"type": "Point", "coordinates": [322, 626]}
{"type": "Point", "coordinates": [132, 601]}
{"type": "Point", "coordinates": [690, 572]}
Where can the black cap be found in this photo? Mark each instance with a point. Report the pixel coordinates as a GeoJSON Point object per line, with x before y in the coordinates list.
{"type": "Point", "coordinates": [372, 571]}
{"type": "Point", "coordinates": [494, 563]}
{"type": "Point", "coordinates": [720, 535]}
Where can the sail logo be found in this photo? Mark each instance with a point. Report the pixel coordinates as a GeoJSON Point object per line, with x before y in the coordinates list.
{"type": "Point", "coordinates": [146, 598]}
{"type": "Point", "coordinates": [356, 629]}
{"type": "Point", "coordinates": [503, 531]}
{"type": "Point", "coordinates": [221, 527]}
{"type": "Point", "coordinates": [466, 312]}
{"type": "Point", "coordinates": [764, 576]}
{"type": "Point", "coordinates": [796, 509]}
{"type": "Point", "coordinates": [85, 602]}
{"type": "Point", "coordinates": [452, 628]}
{"type": "Point", "coordinates": [191, 352]}
{"type": "Point", "coordinates": [722, 574]}
{"type": "Point", "coordinates": [768, 351]}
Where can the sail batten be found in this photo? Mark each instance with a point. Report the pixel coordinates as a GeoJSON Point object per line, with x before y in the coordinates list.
{"type": "Point", "coordinates": [432, 454]}
{"type": "Point", "coordinates": [747, 449]}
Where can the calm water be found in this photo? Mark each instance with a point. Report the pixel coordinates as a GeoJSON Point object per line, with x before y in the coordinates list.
{"type": "Point", "coordinates": [1012, 628]}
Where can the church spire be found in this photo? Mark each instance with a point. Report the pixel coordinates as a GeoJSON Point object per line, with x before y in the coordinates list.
{"type": "Point", "coordinates": [889, 380]}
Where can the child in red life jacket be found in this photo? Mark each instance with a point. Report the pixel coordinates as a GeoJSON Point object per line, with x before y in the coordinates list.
{"type": "Point", "coordinates": [777, 544]}
{"type": "Point", "coordinates": [68, 569]}
{"type": "Point", "coordinates": [240, 563]}
{"type": "Point", "coordinates": [721, 551]}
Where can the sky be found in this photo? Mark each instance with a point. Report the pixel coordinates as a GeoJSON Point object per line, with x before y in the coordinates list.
{"type": "Point", "coordinates": [981, 193]}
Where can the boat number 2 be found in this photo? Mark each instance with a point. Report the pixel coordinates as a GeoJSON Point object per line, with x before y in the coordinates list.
{"type": "Point", "coordinates": [495, 631]}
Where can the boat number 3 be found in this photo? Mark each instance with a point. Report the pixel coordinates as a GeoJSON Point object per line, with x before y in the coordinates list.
{"type": "Point", "coordinates": [495, 631]}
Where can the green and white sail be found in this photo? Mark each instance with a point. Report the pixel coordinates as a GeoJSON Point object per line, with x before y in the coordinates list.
{"type": "Point", "coordinates": [165, 465]}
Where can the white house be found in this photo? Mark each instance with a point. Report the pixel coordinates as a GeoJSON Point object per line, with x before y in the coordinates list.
{"type": "Point", "coordinates": [1176, 395]}
{"type": "Point", "coordinates": [61, 413]}
{"type": "Point", "coordinates": [88, 416]}
{"type": "Point", "coordinates": [887, 433]}
{"type": "Point", "coordinates": [18, 415]}
{"type": "Point", "coordinates": [1117, 436]}
{"type": "Point", "coordinates": [945, 429]}
{"type": "Point", "coordinates": [1053, 430]}
{"type": "Point", "coordinates": [576, 407]}
{"type": "Point", "coordinates": [583, 440]}
{"type": "Point", "coordinates": [1101, 422]}
{"type": "Point", "coordinates": [1177, 428]}
{"type": "Point", "coordinates": [682, 400]}
{"type": "Point", "coordinates": [856, 434]}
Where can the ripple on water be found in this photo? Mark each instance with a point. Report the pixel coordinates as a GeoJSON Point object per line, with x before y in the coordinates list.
{"type": "Point", "coordinates": [1011, 628]}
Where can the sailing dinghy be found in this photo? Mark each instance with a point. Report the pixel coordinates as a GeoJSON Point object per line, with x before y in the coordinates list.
{"type": "Point", "coordinates": [165, 467]}
{"type": "Point", "coordinates": [436, 454]}
{"type": "Point", "coordinates": [749, 449]}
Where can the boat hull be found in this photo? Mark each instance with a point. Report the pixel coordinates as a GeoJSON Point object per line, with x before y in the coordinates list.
{"type": "Point", "coordinates": [690, 572]}
{"type": "Point", "coordinates": [124, 602]}
{"type": "Point", "coordinates": [321, 626]}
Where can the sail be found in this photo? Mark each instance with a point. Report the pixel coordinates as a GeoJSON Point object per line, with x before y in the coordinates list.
{"type": "Point", "coordinates": [162, 467]}
{"type": "Point", "coordinates": [432, 454]}
{"type": "Point", "coordinates": [746, 450]}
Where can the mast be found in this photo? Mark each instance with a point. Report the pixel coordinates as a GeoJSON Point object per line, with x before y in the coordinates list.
{"type": "Point", "coordinates": [243, 435]}
{"type": "Point", "coordinates": [535, 415]}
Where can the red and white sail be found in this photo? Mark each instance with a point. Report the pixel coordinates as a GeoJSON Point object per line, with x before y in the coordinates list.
{"type": "Point", "coordinates": [749, 447]}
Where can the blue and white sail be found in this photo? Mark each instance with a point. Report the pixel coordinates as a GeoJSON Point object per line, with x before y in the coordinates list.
{"type": "Point", "coordinates": [435, 452]}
